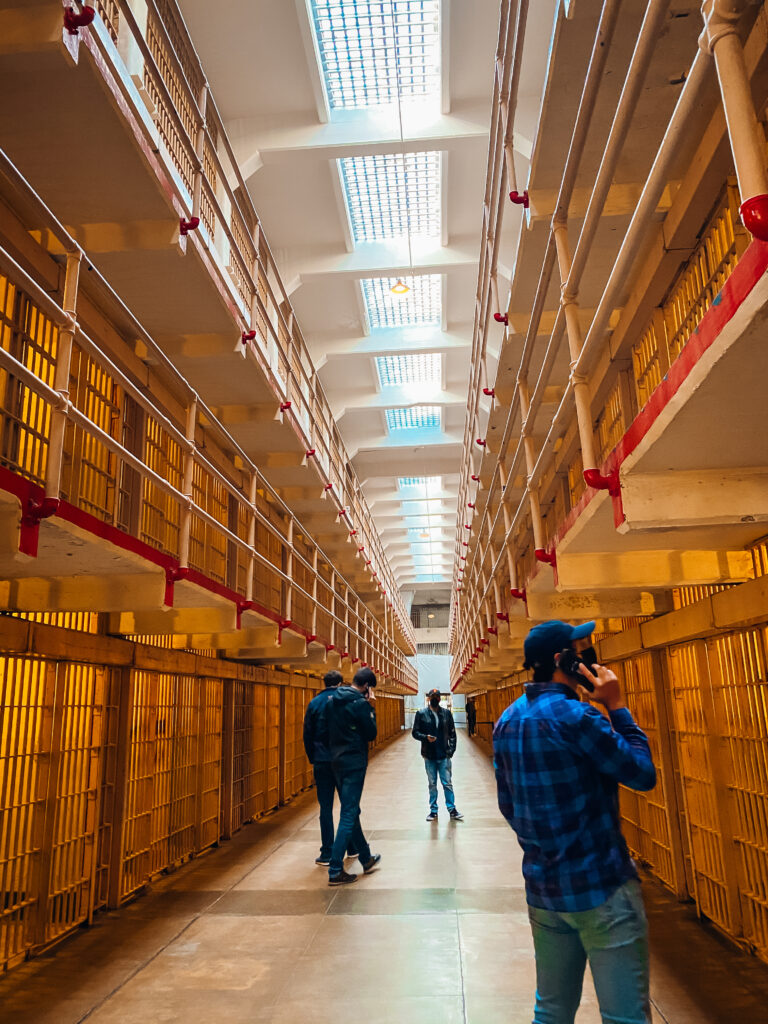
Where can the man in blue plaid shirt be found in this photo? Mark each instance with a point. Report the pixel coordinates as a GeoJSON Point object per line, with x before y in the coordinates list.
{"type": "Point", "coordinates": [559, 763]}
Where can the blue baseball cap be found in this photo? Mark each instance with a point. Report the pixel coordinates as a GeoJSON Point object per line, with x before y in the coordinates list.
{"type": "Point", "coordinates": [549, 638]}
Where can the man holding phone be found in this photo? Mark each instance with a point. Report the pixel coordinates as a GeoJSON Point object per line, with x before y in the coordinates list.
{"type": "Point", "coordinates": [559, 762]}
{"type": "Point", "coordinates": [349, 722]}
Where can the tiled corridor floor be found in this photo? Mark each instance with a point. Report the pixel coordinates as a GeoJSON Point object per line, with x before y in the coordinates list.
{"type": "Point", "coordinates": [252, 933]}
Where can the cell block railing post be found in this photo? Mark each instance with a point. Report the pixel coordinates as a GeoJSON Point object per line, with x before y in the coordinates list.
{"type": "Point", "coordinates": [530, 462]}
{"type": "Point", "coordinates": [720, 38]}
{"type": "Point", "coordinates": [288, 602]}
{"type": "Point", "coordinates": [188, 479]}
{"type": "Point", "coordinates": [61, 379]}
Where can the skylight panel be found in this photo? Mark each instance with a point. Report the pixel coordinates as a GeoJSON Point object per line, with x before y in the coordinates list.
{"type": "Point", "coordinates": [376, 52]}
{"type": "Point", "coordinates": [422, 304]}
{"type": "Point", "coordinates": [393, 195]}
{"type": "Point", "coordinates": [429, 577]}
{"type": "Point", "coordinates": [419, 368]}
{"type": "Point", "coordinates": [417, 417]}
{"type": "Point", "coordinates": [423, 485]}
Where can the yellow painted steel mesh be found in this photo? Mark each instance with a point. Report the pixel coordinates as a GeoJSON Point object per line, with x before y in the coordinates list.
{"type": "Point", "coordinates": [110, 15]}
{"type": "Point", "coordinates": [211, 696]}
{"type": "Point", "coordinates": [611, 424]}
{"type": "Point", "coordinates": [297, 772]}
{"type": "Point", "coordinates": [740, 695]}
{"type": "Point", "coordinates": [25, 419]}
{"type": "Point", "coordinates": [256, 744]}
{"type": "Point", "coordinates": [703, 825]}
{"type": "Point", "coordinates": [78, 797]}
{"type": "Point", "coordinates": [160, 516]}
{"type": "Point", "coordinates": [646, 824]}
{"type": "Point", "coordinates": [83, 622]}
{"type": "Point", "coordinates": [179, 143]}
{"type": "Point", "coordinates": [208, 546]}
{"type": "Point", "coordinates": [175, 773]}
{"type": "Point", "coordinates": [27, 690]}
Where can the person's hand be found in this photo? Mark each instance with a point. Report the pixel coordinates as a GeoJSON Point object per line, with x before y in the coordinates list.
{"type": "Point", "coordinates": [432, 739]}
{"type": "Point", "coordinates": [607, 690]}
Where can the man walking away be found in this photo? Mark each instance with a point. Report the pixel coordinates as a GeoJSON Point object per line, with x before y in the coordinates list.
{"type": "Point", "coordinates": [435, 728]}
{"type": "Point", "coordinates": [351, 726]}
{"type": "Point", "coordinates": [471, 716]}
{"type": "Point", "coordinates": [559, 763]}
{"type": "Point", "coordinates": [319, 756]}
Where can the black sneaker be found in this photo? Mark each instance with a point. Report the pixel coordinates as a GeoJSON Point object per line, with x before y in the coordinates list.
{"type": "Point", "coordinates": [432, 816]}
{"type": "Point", "coordinates": [371, 864]}
{"type": "Point", "coordinates": [457, 815]}
{"type": "Point", "coordinates": [325, 861]}
{"type": "Point", "coordinates": [343, 878]}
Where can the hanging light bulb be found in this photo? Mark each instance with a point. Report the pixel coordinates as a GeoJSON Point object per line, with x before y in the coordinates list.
{"type": "Point", "coordinates": [399, 288]}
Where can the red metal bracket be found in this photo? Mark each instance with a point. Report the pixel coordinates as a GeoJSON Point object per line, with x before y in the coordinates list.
{"type": "Point", "coordinates": [520, 198]}
{"type": "Point", "coordinates": [493, 631]}
{"type": "Point", "coordinates": [330, 647]}
{"type": "Point", "coordinates": [502, 616]}
{"type": "Point", "coordinates": [480, 441]}
{"type": "Point", "coordinates": [353, 533]}
{"type": "Point", "coordinates": [470, 504]}
{"type": "Point", "coordinates": [173, 574]}
{"type": "Point", "coordinates": [754, 216]}
{"type": "Point", "coordinates": [594, 478]}
{"type": "Point", "coordinates": [519, 595]}
{"type": "Point", "coordinates": [74, 21]}
{"type": "Point", "coordinates": [329, 487]}
{"type": "Point", "coordinates": [310, 452]}
{"type": "Point", "coordinates": [311, 638]}
{"type": "Point", "coordinates": [475, 478]}
{"type": "Point", "coordinates": [465, 543]}
{"type": "Point", "coordinates": [285, 406]}
{"type": "Point", "coordinates": [342, 512]}
{"type": "Point", "coordinates": [467, 526]}
{"type": "Point", "coordinates": [501, 318]}
{"type": "Point", "coordinates": [547, 557]}
{"type": "Point", "coordinates": [247, 336]}
{"type": "Point", "coordinates": [242, 606]}
{"type": "Point", "coordinates": [185, 226]}
{"type": "Point", "coordinates": [489, 392]}
{"type": "Point", "coordinates": [32, 515]}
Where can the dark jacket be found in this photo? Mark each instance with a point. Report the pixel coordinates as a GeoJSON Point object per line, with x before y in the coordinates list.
{"type": "Point", "coordinates": [445, 742]}
{"type": "Point", "coordinates": [316, 730]}
{"type": "Point", "coordinates": [351, 726]}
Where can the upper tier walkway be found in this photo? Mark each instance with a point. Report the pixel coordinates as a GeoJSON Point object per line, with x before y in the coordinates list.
{"type": "Point", "coordinates": [439, 935]}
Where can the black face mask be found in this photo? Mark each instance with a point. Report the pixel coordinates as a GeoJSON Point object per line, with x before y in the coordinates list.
{"type": "Point", "coordinates": [434, 702]}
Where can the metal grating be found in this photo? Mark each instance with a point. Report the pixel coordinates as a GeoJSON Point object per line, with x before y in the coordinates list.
{"type": "Point", "coordinates": [422, 304]}
{"type": "Point", "coordinates": [417, 417]}
{"type": "Point", "coordinates": [418, 368]}
{"type": "Point", "coordinates": [393, 195]}
{"type": "Point", "coordinates": [376, 52]}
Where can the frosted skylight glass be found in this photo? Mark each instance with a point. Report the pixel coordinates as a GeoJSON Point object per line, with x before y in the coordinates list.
{"type": "Point", "coordinates": [418, 417]}
{"type": "Point", "coordinates": [423, 484]}
{"type": "Point", "coordinates": [422, 304]}
{"type": "Point", "coordinates": [420, 368]}
{"type": "Point", "coordinates": [392, 195]}
{"type": "Point", "coordinates": [433, 577]}
{"type": "Point", "coordinates": [374, 52]}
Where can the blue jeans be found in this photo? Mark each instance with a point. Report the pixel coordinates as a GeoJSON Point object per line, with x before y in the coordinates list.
{"type": "Point", "coordinates": [443, 766]}
{"type": "Point", "coordinates": [614, 938]}
{"type": "Point", "coordinates": [349, 831]}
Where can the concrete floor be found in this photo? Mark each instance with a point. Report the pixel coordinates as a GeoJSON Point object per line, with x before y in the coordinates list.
{"type": "Point", "coordinates": [439, 935]}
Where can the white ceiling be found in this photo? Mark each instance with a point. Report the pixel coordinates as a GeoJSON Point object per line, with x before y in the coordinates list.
{"type": "Point", "coordinates": [262, 63]}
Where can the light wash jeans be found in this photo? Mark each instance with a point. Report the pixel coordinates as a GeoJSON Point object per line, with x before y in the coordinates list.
{"type": "Point", "coordinates": [614, 938]}
{"type": "Point", "coordinates": [444, 768]}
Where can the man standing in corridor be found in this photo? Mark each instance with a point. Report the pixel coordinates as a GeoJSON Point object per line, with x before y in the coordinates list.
{"type": "Point", "coordinates": [349, 721]}
{"type": "Point", "coordinates": [435, 728]}
{"type": "Point", "coordinates": [559, 763]}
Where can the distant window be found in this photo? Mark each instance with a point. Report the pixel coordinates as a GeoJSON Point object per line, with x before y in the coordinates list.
{"type": "Point", "coordinates": [393, 195]}
{"type": "Point", "coordinates": [422, 304]}
{"type": "Point", "coordinates": [417, 368]}
{"type": "Point", "coordinates": [376, 52]}
{"type": "Point", "coordinates": [417, 417]}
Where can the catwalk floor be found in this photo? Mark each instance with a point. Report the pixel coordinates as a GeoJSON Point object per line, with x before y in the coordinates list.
{"type": "Point", "coordinates": [439, 935]}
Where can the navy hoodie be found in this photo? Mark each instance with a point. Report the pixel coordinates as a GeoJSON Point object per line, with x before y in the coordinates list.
{"type": "Point", "coordinates": [351, 726]}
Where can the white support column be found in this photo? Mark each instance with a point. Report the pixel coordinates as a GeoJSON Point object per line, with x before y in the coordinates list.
{"type": "Point", "coordinates": [61, 378]}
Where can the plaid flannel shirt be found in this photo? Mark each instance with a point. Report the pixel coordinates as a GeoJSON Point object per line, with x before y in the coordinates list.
{"type": "Point", "coordinates": [558, 766]}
